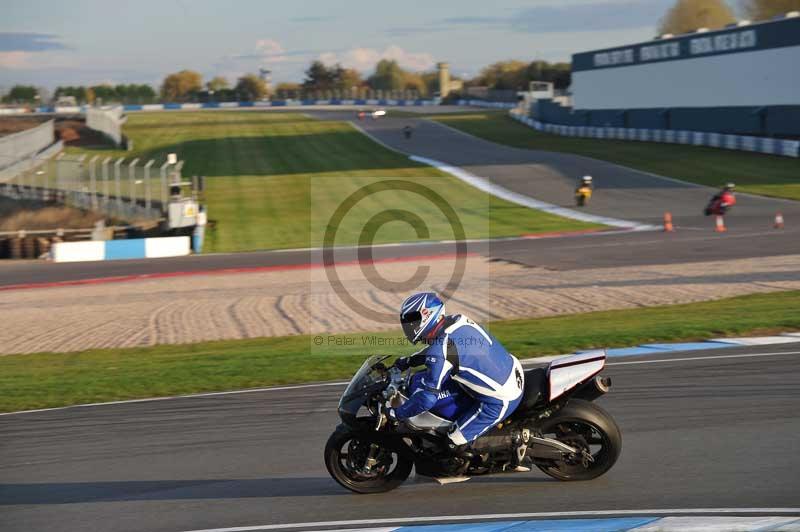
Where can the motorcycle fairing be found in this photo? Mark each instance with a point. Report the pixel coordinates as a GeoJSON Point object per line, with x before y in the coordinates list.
{"type": "Point", "coordinates": [425, 420]}
{"type": "Point", "coordinates": [566, 373]}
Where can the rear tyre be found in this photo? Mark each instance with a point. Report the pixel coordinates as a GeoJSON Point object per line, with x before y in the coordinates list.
{"type": "Point", "coordinates": [591, 429]}
{"type": "Point", "coordinates": [346, 457]}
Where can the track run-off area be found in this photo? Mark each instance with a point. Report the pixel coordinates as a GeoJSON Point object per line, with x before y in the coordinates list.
{"type": "Point", "coordinates": [714, 429]}
{"type": "Point", "coordinates": [621, 193]}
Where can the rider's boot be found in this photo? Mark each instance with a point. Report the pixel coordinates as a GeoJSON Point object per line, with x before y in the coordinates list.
{"type": "Point", "coordinates": [455, 459]}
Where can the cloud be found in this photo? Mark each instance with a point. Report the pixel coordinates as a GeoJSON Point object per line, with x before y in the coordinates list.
{"type": "Point", "coordinates": [364, 59]}
{"type": "Point", "coordinates": [552, 18]}
{"type": "Point", "coordinates": [271, 50]}
{"type": "Point", "coordinates": [19, 60]}
{"type": "Point", "coordinates": [14, 60]}
{"type": "Point", "coordinates": [589, 17]}
{"type": "Point", "coordinates": [29, 42]}
{"type": "Point", "coordinates": [405, 31]}
{"type": "Point", "coordinates": [476, 21]}
{"type": "Point", "coordinates": [317, 18]}
{"type": "Point", "coordinates": [265, 53]}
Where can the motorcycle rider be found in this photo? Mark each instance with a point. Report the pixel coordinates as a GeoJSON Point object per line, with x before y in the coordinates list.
{"type": "Point", "coordinates": [722, 201]}
{"type": "Point", "coordinates": [584, 190]}
{"type": "Point", "coordinates": [459, 350]}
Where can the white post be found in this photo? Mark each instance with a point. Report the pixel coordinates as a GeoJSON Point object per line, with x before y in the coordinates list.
{"type": "Point", "coordinates": [93, 180]}
{"type": "Point", "coordinates": [132, 179]}
{"type": "Point", "coordinates": [78, 187]}
{"type": "Point", "coordinates": [147, 184]}
{"type": "Point", "coordinates": [164, 186]}
{"type": "Point", "coordinates": [118, 185]}
{"type": "Point", "coordinates": [106, 179]}
{"type": "Point", "coordinates": [58, 171]}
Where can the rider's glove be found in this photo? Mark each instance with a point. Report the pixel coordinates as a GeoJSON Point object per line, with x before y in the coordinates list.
{"type": "Point", "coordinates": [387, 417]}
{"type": "Point", "coordinates": [402, 363]}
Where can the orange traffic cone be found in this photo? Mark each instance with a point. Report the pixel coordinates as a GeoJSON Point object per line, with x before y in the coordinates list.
{"type": "Point", "coordinates": [668, 228]}
{"type": "Point", "coordinates": [720, 224]}
{"type": "Point", "coordinates": [778, 221]}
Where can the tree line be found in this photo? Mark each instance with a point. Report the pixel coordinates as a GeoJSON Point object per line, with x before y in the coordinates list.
{"type": "Point", "coordinates": [131, 93]}
{"type": "Point", "coordinates": [388, 78]}
{"type": "Point", "coordinates": [689, 15]}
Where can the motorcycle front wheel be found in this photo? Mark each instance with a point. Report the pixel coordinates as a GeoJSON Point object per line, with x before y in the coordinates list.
{"type": "Point", "coordinates": [585, 426]}
{"type": "Point", "coordinates": [363, 466]}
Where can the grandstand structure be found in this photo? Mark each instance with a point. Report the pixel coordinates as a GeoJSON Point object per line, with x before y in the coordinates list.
{"type": "Point", "coordinates": [740, 80]}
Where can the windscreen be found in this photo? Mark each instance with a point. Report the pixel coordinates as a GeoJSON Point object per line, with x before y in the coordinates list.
{"type": "Point", "coordinates": [353, 398]}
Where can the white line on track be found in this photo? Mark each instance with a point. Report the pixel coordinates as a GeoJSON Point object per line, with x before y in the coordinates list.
{"type": "Point", "coordinates": [342, 383]}
{"type": "Point", "coordinates": [496, 190]}
{"type": "Point", "coordinates": [451, 518]}
{"type": "Point", "coordinates": [423, 243]}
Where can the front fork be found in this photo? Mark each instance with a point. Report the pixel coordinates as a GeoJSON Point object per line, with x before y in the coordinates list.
{"type": "Point", "coordinates": [371, 459]}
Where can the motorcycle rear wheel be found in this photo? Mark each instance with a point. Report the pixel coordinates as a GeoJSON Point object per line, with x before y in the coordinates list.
{"type": "Point", "coordinates": [344, 461]}
{"type": "Point", "coordinates": [587, 426]}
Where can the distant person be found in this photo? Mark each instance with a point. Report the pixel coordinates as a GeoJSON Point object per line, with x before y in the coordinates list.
{"type": "Point", "coordinates": [584, 191]}
{"type": "Point", "coordinates": [721, 202]}
{"type": "Point", "coordinates": [407, 131]}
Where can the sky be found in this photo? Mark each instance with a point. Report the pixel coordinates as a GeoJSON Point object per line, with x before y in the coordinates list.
{"type": "Point", "coordinates": [87, 42]}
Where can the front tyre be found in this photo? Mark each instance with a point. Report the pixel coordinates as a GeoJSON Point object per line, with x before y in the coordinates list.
{"type": "Point", "coordinates": [363, 466]}
{"type": "Point", "coordinates": [591, 429]}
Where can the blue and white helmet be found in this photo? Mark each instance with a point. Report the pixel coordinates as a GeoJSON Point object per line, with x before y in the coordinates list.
{"type": "Point", "coordinates": [419, 314]}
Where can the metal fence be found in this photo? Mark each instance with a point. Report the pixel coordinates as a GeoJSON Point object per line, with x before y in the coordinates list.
{"type": "Point", "coordinates": [129, 189]}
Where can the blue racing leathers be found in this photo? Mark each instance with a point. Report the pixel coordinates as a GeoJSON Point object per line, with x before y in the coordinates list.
{"type": "Point", "coordinates": [464, 352]}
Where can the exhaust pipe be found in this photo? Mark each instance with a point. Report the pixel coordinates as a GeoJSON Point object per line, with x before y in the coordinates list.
{"type": "Point", "coordinates": [594, 388]}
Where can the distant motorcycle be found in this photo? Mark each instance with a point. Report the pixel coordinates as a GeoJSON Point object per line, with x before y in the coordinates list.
{"type": "Point", "coordinates": [556, 427]}
{"type": "Point", "coordinates": [583, 195]}
{"type": "Point", "coordinates": [407, 131]}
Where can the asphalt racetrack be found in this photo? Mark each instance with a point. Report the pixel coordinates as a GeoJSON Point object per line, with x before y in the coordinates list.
{"type": "Point", "coordinates": [714, 429]}
{"type": "Point", "coordinates": [621, 193]}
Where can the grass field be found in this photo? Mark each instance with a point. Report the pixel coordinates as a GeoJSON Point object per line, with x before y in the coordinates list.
{"type": "Point", "coordinates": [49, 379]}
{"type": "Point", "coordinates": [274, 178]}
{"type": "Point", "coordinates": [768, 175]}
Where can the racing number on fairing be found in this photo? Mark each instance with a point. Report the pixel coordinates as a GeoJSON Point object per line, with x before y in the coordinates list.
{"type": "Point", "coordinates": [519, 378]}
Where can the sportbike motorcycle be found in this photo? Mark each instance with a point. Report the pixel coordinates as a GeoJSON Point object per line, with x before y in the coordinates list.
{"type": "Point", "coordinates": [556, 428]}
{"type": "Point", "coordinates": [583, 195]}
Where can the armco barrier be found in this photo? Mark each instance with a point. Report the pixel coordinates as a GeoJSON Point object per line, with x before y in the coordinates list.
{"type": "Point", "coordinates": [785, 148]}
{"type": "Point", "coordinates": [17, 147]}
{"type": "Point", "coordinates": [383, 102]}
{"type": "Point", "coordinates": [136, 248]}
{"type": "Point", "coordinates": [11, 172]}
{"type": "Point", "coordinates": [107, 121]}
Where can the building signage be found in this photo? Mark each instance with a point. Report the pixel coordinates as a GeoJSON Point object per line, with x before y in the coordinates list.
{"type": "Point", "coordinates": [723, 43]}
{"type": "Point", "coordinates": [774, 34]}
{"type": "Point", "coordinates": [615, 57]}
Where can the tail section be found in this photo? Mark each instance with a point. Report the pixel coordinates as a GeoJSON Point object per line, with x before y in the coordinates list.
{"type": "Point", "coordinates": [568, 372]}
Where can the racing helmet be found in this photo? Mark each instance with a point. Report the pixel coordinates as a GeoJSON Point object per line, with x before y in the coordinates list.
{"type": "Point", "coordinates": [419, 315]}
{"type": "Point", "coordinates": [730, 186]}
{"type": "Point", "coordinates": [587, 179]}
